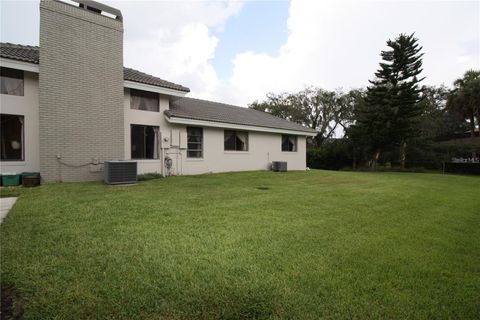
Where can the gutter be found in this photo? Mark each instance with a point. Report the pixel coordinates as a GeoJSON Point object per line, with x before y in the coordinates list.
{"type": "Point", "coordinates": [214, 124]}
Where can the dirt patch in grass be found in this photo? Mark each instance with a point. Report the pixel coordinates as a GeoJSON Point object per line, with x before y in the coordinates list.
{"type": "Point", "coordinates": [13, 304]}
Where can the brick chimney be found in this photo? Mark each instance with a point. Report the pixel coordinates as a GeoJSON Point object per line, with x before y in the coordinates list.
{"type": "Point", "coordinates": [80, 89]}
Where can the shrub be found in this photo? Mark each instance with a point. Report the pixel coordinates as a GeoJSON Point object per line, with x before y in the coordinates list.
{"type": "Point", "coordinates": [331, 155]}
{"type": "Point", "coordinates": [149, 176]}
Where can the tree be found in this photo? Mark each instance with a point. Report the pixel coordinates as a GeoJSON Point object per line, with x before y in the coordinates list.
{"type": "Point", "coordinates": [280, 105]}
{"type": "Point", "coordinates": [437, 121]}
{"type": "Point", "coordinates": [316, 108]}
{"type": "Point", "coordinates": [464, 99]}
{"type": "Point", "coordinates": [391, 111]}
{"type": "Point", "coordinates": [371, 130]}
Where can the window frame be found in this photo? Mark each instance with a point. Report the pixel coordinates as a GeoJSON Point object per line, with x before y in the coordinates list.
{"type": "Point", "coordinates": [22, 77]}
{"type": "Point", "coordinates": [22, 159]}
{"type": "Point", "coordinates": [295, 149]}
{"type": "Point", "coordinates": [247, 143]}
{"type": "Point", "coordinates": [156, 139]}
{"type": "Point", "coordinates": [200, 143]}
{"type": "Point", "coordinates": [143, 94]}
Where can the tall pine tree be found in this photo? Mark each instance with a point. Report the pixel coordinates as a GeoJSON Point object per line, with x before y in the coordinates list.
{"type": "Point", "coordinates": [391, 111]}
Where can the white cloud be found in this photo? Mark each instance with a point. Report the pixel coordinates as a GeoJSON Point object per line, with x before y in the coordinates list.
{"type": "Point", "coordinates": [182, 57]}
{"type": "Point", "coordinates": [173, 40]}
{"type": "Point", "coordinates": [330, 43]}
{"type": "Point", "coordinates": [338, 44]}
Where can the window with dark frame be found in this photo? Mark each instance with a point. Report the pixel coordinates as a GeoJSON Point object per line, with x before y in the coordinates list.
{"type": "Point", "coordinates": [11, 81]}
{"type": "Point", "coordinates": [12, 137]}
{"type": "Point", "coordinates": [144, 100]}
{"type": "Point", "coordinates": [289, 143]}
{"type": "Point", "coordinates": [194, 142]}
{"type": "Point", "coordinates": [144, 142]}
{"type": "Point", "coordinates": [235, 140]}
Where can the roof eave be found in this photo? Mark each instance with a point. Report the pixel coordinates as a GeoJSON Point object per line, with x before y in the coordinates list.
{"type": "Point", "coordinates": [148, 87]}
{"type": "Point", "coordinates": [227, 125]}
{"type": "Point", "coordinates": [18, 64]}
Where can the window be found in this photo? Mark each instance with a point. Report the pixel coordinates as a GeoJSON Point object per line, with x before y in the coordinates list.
{"type": "Point", "coordinates": [12, 137]}
{"type": "Point", "coordinates": [289, 143]}
{"type": "Point", "coordinates": [144, 100]}
{"type": "Point", "coordinates": [144, 142]}
{"type": "Point", "coordinates": [195, 142]}
{"type": "Point", "coordinates": [11, 81]}
{"type": "Point", "coordinates": [235, 140]}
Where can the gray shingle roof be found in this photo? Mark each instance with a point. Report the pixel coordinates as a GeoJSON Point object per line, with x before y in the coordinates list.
{"type": "Point", "coordinates": [31, 54]}
{"type": "Point", "coordinates": [197, 109]}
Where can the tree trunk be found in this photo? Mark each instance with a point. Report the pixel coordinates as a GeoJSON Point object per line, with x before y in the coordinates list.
{"type": "Point", "coordinates": [478, 116]}
{"type": "Point", "coordinates": [478, 119]}
{"type": "Point", "coordinates": [472, 132]}
{"type": "Point", "coordinates": [375, 160]}
{"type": "Point", "coordinates": [472, 125]}
{"type": "Point", "coordinates": [354, 164]}
{"type": "Point", "coordinates": [403, 154]}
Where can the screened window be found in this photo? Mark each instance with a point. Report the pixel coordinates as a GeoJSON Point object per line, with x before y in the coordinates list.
{"type": "Point", "coordinates": [11, 81]}
{"type": "Point", "coordinates": [144, 142]}
{"type": "Point", "coordinates": [195, 142]}
{"type": "Point", "coordinates": [235, 140]}
{"type": "Point", "coordinates": [289, 143]}
{"type": "Point", "coordinates": [11, 139]}
{"type": "Point", "coordinates": [144, 100]}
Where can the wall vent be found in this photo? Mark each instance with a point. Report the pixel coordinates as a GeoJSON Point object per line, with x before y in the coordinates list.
{"type": "Point", "coordinates": [120, 172]}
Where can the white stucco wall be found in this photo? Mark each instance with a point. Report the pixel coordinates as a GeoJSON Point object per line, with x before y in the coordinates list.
{"type": "Point", "coordinates": [263, 148]}
{"type": "Point", "coordinates": [149, 118]}
{"type": "Point", "coordinates": [27, 106]}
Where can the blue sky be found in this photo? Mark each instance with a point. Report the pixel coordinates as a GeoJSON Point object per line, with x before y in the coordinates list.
{"type": "Point", "coordinates": [260, 26]}
{"type": "Point", "coordinates": [238, 51]}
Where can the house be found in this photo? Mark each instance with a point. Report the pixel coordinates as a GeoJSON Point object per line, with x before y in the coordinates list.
{"type": "Point", "coordinates": [69, 105]}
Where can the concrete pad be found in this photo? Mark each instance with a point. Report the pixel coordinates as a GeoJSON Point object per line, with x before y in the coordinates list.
{"type": "Point", "coordinates": [5, 205]}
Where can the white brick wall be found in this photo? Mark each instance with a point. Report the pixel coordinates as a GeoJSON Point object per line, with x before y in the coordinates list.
{"type": "Point", "coordinates": [80, 91]}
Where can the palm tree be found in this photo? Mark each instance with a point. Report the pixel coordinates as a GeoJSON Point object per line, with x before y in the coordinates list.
{"type": "Point", "coordinates": [464, 99]}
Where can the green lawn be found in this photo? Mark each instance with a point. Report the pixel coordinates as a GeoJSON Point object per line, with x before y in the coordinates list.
{"type": "Point", "coordinates": [257, 245]}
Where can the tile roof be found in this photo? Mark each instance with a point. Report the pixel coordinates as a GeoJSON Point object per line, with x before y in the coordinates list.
{"type": "Point", "coordinates": [19, 52]}
{"type": "Point", "coordinates": [31, 54]}
{"type": "Point", "coordinates": [197, 109]}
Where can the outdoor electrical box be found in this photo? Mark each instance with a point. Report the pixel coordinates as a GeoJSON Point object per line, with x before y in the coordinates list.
{"type": "Point", "coordinates": [175, 141]}
{"type": "Point", "coordinates": [183, 140]}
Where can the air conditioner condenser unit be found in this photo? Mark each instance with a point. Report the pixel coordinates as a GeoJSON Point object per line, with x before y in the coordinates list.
{"type": "Point", "coordinates": [120, 172]}
{"type": "Point", "coordinates": [279, 166]}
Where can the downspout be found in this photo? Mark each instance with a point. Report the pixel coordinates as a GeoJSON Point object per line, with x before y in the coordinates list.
{"type": "Point", "coordinates": [162, 161]}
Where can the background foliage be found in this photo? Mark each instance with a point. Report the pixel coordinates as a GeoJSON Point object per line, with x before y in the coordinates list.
{"type": "Point", "coordinates": [395, 121]}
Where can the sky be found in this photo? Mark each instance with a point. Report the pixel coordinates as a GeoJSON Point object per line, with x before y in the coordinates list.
{"type": "Point", "coordinates": [238, 51]}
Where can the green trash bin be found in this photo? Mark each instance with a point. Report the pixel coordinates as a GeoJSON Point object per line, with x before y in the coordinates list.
{"type": "Point", "coordinates": [10, 179]}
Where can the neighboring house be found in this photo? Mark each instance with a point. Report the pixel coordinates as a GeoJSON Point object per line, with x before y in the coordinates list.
{"type": "Point", "coordinates": [69, 105]}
